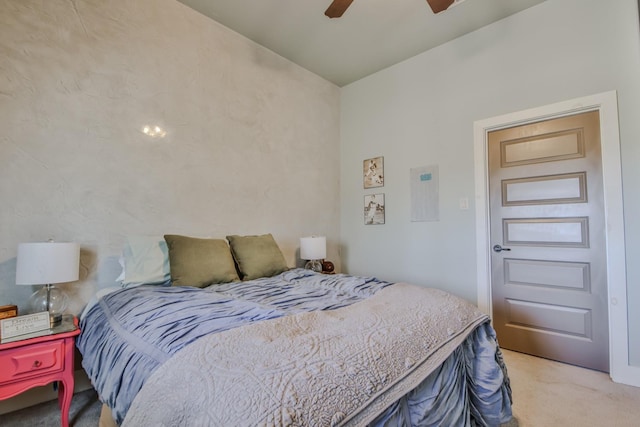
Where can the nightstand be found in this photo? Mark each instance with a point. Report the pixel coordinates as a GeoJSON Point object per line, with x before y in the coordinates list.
{"type": "Point", "coordinates": [37, 362]}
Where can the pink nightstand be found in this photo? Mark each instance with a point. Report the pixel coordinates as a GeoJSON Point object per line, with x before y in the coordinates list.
{"type": "Point", "coordinates": [37, 362]}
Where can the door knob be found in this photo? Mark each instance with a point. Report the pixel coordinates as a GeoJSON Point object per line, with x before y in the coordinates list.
{"type": "Point", "coordinates": [498, 248]}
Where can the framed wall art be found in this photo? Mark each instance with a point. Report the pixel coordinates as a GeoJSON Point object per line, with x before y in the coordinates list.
{"type": "Point", "coordinates": [373, 172]}
{"type": "Point", "coordinates": [374, 209]}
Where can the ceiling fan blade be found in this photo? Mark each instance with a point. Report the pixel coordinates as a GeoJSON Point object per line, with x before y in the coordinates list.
{"type": "Point", "coordinates": [439, 5]}
{"type": "Point", "coordinates": [337, 8]}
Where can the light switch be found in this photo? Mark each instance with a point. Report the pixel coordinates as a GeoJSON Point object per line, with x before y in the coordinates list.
{"type": "Point", "coordinates": [464, 203]}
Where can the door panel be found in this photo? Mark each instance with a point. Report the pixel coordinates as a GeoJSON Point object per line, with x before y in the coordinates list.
{"type": "Point", "coordinates": [567, 232]}
{"type": "Point", "coordinates": [555, 274]}
{"type": "Point", "coordinates": [546, 204]}
{"type": "Point", "coordinates": [561, 320]}
{"type": "Point", "coordinates": [553, 146]}
{"type": "Point", "coordinates": [566, 188]}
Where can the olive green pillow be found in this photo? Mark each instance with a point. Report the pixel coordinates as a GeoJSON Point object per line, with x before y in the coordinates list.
{"type": "Point", "coordinates": [199, 262]}
{"type": "Point", "coordinates": [257, 256]}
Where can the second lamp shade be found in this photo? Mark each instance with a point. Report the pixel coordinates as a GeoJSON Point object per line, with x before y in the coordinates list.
{"type": "Point", "coordinates": [314, 247]}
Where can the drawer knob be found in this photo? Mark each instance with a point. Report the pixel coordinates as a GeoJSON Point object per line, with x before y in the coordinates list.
{"type": "Point", "coordinates": [37, 364]}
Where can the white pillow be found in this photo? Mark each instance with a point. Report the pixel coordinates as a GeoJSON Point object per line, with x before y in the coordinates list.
{"type": "Point", "coordinates": [146, 261]}
{"type": "Point", "coordinates": [121, 262]}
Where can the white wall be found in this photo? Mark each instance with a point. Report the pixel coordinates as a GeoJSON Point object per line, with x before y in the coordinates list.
{"type": "Point", "coordinates": [421, 112]}
{"type": "Point", "coordinates": [252, 144]}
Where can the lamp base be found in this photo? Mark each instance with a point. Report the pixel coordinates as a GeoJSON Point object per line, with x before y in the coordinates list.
{"type": "Point", "coordinates": [51, 299]}
{"type": "Point", "coordinates": [54, 320]}
{"type": "Point", "coordinates": [314, 265]}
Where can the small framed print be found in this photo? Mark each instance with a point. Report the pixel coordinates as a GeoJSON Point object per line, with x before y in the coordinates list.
{"type": "Point", "coordinates": [374, 209]}
{"type": "Point", "coordinates": [373, 172]}
{"type": "Point", "coordinates": [20, 325]}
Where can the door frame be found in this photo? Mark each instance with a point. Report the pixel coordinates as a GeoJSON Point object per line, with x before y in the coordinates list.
{"type": "Point", "coordinates": [607, 104]}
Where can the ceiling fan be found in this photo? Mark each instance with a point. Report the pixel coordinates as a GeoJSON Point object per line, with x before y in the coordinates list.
{"type": "Point", "coordinates": [338, 7]}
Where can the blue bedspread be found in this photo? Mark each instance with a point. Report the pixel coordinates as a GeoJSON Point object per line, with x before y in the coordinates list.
{"type": "Point", "coordinates": [130, 332]}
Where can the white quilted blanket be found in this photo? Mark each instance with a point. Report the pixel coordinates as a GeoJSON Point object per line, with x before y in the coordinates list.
{"type": "Point", "coordinates": [327, 368]}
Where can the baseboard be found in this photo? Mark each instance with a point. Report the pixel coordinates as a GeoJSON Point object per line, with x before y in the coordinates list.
{"type": "Point", "coordinates": [42, 394]}
{"type": "Point", "coordinates": [629, 375]}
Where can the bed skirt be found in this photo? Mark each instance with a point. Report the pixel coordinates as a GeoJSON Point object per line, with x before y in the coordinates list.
{"type": "Point", "coordinates": [445, 385]}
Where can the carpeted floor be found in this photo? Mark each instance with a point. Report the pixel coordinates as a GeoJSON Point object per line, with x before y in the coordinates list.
{"type": "Point", "coordinates": [545, 393]}
{"type": "Point", "coordinates": [548, 393]}
{"type": "Point", "coordinates": [84, 412]}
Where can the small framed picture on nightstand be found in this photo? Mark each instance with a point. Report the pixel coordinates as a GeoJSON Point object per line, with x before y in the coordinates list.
{"type": "Point", "coordinates": [13, 328]}
{"type": "Point", "coordinates": [33, 326]}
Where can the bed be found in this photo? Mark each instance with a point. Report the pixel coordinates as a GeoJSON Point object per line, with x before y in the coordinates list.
{"type": "Point", "coordinates": [278, 346]}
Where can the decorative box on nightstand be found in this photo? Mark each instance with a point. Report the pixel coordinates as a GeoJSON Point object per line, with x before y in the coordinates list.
{"type": "Point", "coordinates": [39, 361]}
{"type": "Point", "coordinates": [8, 311]}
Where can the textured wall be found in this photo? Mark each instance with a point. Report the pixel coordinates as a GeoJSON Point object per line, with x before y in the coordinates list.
{"type": "Point", "coordinates": [251, 144]}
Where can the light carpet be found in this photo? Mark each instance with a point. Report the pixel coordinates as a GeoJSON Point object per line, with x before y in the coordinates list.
{"type": "Point", "coordinates": [548, 393]}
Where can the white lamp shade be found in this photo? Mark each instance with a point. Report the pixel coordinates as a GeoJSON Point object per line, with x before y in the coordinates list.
{"type": "Point", "coordinates": [313, 247]}
{"type": "Point", "coordinates": [47, 262]}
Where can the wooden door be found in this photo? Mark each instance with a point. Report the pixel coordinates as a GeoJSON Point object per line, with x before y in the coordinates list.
{"type": "Point", "coordinates": [549, 279]}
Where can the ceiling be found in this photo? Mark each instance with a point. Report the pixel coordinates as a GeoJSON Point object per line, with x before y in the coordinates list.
{"type": "Point", "coordinates": [370, 36]}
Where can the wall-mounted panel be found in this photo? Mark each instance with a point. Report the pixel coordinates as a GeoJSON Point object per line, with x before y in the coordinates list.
{"type": "Point", "coordinates": [544, 190]}
{"type": "Point", "coordinates": [565, 232]}
{"type": "Point", "coordinates": [554, 274]}
{"type": "Point", "coordinates": [543, 148]}
{"type": "Point", "coordinates": [557, 319]}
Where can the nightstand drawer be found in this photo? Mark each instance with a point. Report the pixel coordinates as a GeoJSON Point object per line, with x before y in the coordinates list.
{"type": "Point", "coordinates": [32, 360]}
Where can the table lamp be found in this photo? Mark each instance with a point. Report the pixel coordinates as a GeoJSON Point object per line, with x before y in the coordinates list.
{"type": "Point", "coordinates": [313, 249]}
{"type": "Point", "coordinates": [46, 263]}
